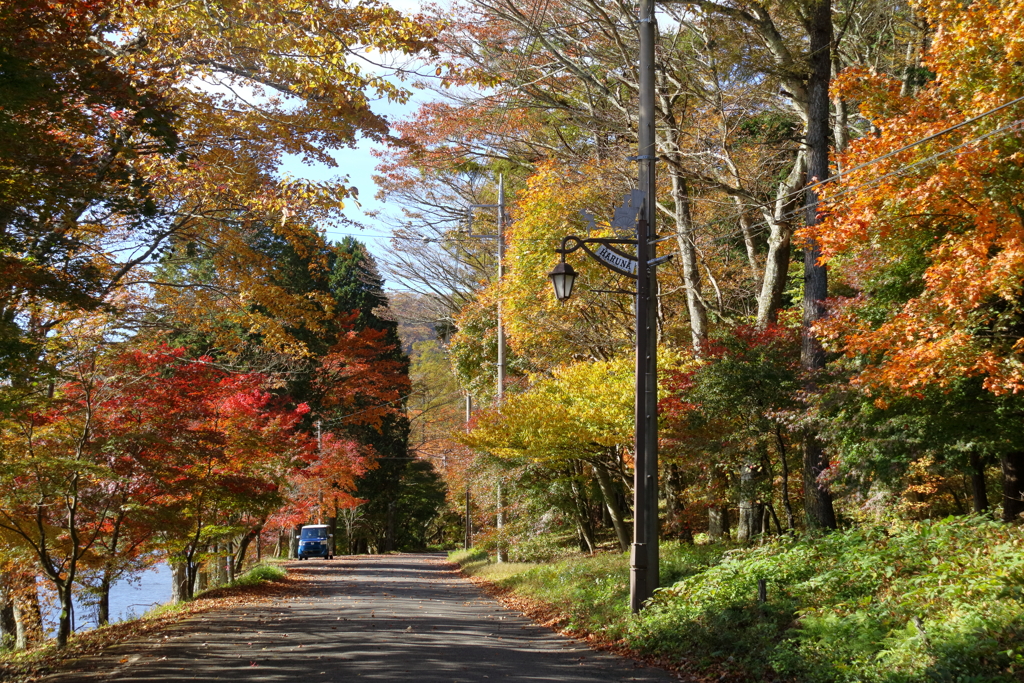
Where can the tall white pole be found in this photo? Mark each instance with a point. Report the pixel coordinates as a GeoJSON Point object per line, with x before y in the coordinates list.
{"type": "Point", "coordinates": [501, 273]}
{"type": "Point", "coordinates": [500, 395]}
{"type": "Point", "coordinates": [469, 522]}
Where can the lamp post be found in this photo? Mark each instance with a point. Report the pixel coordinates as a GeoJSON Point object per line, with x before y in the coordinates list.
{"type": "Point", "coordinates": [607, 251]}
{"type": "Point", "coordinates": [644, 556]}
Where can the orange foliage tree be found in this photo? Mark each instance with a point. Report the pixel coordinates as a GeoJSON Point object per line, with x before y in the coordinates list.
{"type": "Point", "coordinates": [926, 226]}
{"type": "Point", "coordinates": [932, 236]}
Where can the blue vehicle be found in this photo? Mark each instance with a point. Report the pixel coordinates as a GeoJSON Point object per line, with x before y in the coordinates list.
{"type": "Point", "coordinates": [315, 540]}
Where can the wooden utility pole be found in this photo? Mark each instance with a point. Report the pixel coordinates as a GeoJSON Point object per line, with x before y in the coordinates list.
{"type": "Point", "coordinates": [500, 395]}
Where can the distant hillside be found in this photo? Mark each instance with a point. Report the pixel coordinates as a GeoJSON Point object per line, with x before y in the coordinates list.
{"type": "Point", "coordinates": [416, 317]}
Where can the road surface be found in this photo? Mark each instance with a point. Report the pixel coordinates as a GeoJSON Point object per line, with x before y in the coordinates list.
{"type": "Point", "coordinates": [395, 618]}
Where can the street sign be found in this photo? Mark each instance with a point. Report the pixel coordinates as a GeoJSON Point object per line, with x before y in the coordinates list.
{"type": "Point", "coordinates": [615, 259]}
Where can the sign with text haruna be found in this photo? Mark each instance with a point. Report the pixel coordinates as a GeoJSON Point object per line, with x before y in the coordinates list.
{"type": "Point", "coordinates": [615, 259]}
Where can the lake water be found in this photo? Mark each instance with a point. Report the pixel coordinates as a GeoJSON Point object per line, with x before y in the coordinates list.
{"type": "Point", "coordinates": [128, 599]}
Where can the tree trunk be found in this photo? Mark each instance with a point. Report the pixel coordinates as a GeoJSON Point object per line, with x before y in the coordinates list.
{"type": "Point", "coordinates": [582, 517]}
{"type": "Point", "coordinates": [389, 529]}
{"type": "Point", "coordinates": [243, 546]}
{"type": "Point", "coordinates": [718, 522]}
{"type": "Point", "coordinates": [612, 505]}
{"type": "Point", "coordinates": [293, 543]}
{"type": "Point", "coordinates": [191, 577]}
{"type": "Point", "coordinates": [819, 512]}
{"type": "Point", "coordinates": [786, 503]}
{"type": "Point", "coordinates": [332, 522]}
{"type": "Point", "coordinates": [64, 595]}
{"type": "Point", "coordinates": [103, 601]}
{"type": "Point", "coordinates": [818, 500]}
{"type": "Point", "coordinates": [215, 566]}
{"type": "Point", "coordinates": [674, 506]}
{"type": "Point", "coordinates": [8, 624]}
{"type": "Point", "coordinates": [179, 581]}
{"type": "Point", "coordinates": [776, 262]}
{"type": "Point", "coordinates": [979, 492]}
{"type": "Point", "coordinates": [751, 514]}
{"type": "Point", "coordinates": [27, 614]}
{"type": "Point", "coordinates": [1013, 486]}
{"type": "Point", "coordinates": [691, 269]}
{"type": "Point", "coordinates": [229, 563]}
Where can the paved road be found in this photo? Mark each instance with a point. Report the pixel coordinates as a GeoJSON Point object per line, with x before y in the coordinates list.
{"type": "Point", "coordinates": [389, 618]}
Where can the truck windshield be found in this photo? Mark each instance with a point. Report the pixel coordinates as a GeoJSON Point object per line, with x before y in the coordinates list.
{"type": "Point", "coordinates": [308, 533]}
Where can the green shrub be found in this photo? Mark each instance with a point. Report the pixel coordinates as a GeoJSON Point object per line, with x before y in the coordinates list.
{"type": "Point", "coordinates": [471, 556]}
{"type": "Point", "coordinates": [547, 547]}
{"type": "Point", "coordinates": [260, 573]}
{"type": "Point", "coordinates": [930, 601]}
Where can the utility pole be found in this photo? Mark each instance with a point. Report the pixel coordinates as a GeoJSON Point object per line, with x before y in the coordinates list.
{"type": "Point", "coordinates": [319, 450]}
{"type": "Point", "coordinates": [499, 395]}
{"type": "Point", "coordinates": [502, 554]}
{"type": "Point", "coordinates": [501, 274]}
{"type": "Point", "coordinates": [644, 556]}
{"type": "Point", "coordinates": [640, 205]}
{"type": "Point", "coordinates": [502, 550]}
{"type": "Point", "coordinates": [469, 522]}
{"type": "Point", "coordinates": [500, 237]}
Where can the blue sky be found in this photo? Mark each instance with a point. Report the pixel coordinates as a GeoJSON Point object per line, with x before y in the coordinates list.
{"type": "Point", "coordinates": [359, 164]}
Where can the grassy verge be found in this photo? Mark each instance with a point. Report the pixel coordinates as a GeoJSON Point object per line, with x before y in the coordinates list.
{"type": "Point", "coordinates": [927, 601]}
{"type": "Point", "coordinates": [259, 574]}
{"type": "Point", "coordinates": [587, 593]}
{"type": "Point", "coordinates": [25, 666]}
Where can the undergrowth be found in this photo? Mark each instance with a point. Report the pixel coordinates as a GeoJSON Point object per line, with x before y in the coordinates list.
{"type": "Point", "coordinates": [467, 557]}
{"type": "Point", "coordinates": [925, 601]}
{"type": "Point", "coordinates": [260, 573]}
{"type": "Point", "coordinates": [592, 592]}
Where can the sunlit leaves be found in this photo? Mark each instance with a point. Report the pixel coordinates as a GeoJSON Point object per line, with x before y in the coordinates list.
{"type": "Point", "coordinates": [943, 217]}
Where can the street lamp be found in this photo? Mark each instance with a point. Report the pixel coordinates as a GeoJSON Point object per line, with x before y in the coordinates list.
{"type": "Point", "coordinates": [607, 251]}
{"type": "Point", "coordinates": [639, 207]}
{"type": "Point", "coordinates": [563, 277]}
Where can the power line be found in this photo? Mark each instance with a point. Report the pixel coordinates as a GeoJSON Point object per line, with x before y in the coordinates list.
{"type": "Point", "coordinates": [876, 160]}
{"type": "Point", "coordinates": [795, 212]}
{"type": "Point", "coordinates": [903, 170]}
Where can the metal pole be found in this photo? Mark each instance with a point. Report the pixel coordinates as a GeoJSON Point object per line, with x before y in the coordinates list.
{"type": "Point", "coordinates": [502, 554]}
{"type": "Point", "coordinates": [469, 523]}
{"type": "Point", "coordinates": [647, 319]}
{"type": "Point", "coordinates": [319, 451]}
{"type": "Point", "coordinates": [501, 273]}
{"type": "Point", "coordinates": [500, 396]}
{"type": "Point", "coordinates": [638, 589]}
{"type": "Point", "coordinates": [469, 530]}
